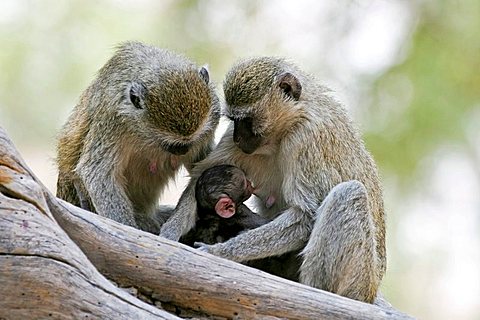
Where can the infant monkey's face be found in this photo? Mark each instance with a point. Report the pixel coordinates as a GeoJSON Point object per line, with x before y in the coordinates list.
{"type": "Point", "coordinates": [237, 189]}
{"type": "Point", "coordinates": [222, 188]}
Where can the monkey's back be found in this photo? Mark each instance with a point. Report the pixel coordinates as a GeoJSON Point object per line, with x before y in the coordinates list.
{"type": "Point", "coordinates": [320, 150]}
{"type": "Point", "coordinates": [343, 157]}
{"type": "Point", "coordinates": [69, 149]}
{"type": "Point", "coordinates": [105, 132]}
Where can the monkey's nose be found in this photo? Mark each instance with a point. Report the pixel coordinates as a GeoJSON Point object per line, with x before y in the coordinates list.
{"type": "Point", "coordinates": [177, 149]}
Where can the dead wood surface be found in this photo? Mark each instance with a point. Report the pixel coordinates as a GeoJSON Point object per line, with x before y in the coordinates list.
{"type": "Point", "coordinates": [44, 270]}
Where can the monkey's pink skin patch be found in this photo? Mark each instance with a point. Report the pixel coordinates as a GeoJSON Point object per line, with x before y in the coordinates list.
{"type": "Point", "coordinates": [270, 201]}
{"type": "Point", "coordinates": [153, 167]}
{"type": "Point", "coordinates": [225, 207]}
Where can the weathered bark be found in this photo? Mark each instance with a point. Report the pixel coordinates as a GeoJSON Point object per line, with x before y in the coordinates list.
{"type": "Point", "coordinates": [45, 273]}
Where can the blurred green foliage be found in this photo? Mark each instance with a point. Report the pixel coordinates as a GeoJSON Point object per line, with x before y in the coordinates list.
{"type": "Point", "coordinates": [51, 51]}
{"type": "Point", "coordinates": [425, 100]}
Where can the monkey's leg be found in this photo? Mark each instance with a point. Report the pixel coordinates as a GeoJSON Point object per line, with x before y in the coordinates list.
{"type": "Point", "coordinates": [163, 213]}
{"type": "Point", "coordinates": [151, 222]}
{"type": "Point", "coordinates": [82, 196]}
{"type": "Point", "coordinates": [340, 255]}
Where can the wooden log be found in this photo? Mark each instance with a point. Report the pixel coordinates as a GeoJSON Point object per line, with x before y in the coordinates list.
{"type": "Point", "coordinates": [42, 271]}
{"type": "Point", "coordinates": [191, 279]}
{"type": "Point", "coordinates": [181, 276]}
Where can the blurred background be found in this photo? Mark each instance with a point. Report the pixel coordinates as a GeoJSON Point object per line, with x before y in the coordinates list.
{"type": "Point", "coordinates": [408, 71]}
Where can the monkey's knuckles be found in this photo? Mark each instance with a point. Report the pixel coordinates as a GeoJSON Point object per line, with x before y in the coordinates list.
{"type": "Point", "coordinates": [206, 247]}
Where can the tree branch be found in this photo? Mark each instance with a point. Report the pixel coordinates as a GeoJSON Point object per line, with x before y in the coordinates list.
{"type": "Point", "coordinates": [56, 276]}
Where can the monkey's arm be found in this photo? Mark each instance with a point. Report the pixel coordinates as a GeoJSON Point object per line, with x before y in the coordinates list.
{"type": "Point", "coordinates": [303, 189]}
{"type": "Point", "coordinates": [184, 215]}
{"type": "Point", "coordinates": [289, 231]}
{"type": "Point", "coordinates": [249, 219]}
{"type": "Point", "coordinates": [111, 201]}
{"type": "Point", "coordinates": [106, 192]}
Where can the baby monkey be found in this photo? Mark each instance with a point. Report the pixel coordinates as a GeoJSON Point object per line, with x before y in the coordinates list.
{"type": "Point", "coordinates": [220, 192]}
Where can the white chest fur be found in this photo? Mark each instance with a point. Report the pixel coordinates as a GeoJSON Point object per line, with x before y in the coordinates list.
{"type": "Point", "coordinates": [267, 179]}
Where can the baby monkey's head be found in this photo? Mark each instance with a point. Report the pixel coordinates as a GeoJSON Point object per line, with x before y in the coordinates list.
{"type": "Point", "coordinates": [222, 188]}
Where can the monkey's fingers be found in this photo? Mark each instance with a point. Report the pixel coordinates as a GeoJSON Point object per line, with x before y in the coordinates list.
{"type": "Point", "coordinates": [199, 244]}
{"type": "Point", "coordinates": [202, 246]}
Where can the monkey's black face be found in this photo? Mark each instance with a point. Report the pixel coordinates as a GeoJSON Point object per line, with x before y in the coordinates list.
{"type": "Point", "coordinates": [222, 189]}
{"type": "Point", "coordinates": [244, 136]}
{"type": "Point", "coordinates": [177, 149]}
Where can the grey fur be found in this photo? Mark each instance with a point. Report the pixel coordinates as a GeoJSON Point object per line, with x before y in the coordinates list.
{"type": "Point", "coordinates": [229, 181]}
{"type": "Point", "coordinates": [312, 160]}
{"type": "Point", "coordinates": [112, 154]}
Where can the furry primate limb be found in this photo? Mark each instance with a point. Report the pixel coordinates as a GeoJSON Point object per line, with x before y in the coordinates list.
{"type": "Point", "coordinates": [315, 180]}
{"type": "Point", "coordinates": [148, 112]}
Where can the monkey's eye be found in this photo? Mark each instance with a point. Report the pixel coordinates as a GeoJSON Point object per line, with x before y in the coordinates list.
{"type": "Point", "coordinates": [203, 72]}
{"type": "Point", "coordinates": [135, 100]}
{"type": "Point", "coordinates": [136, 94]}
{"type": "Point", "coordinates": [227, 114]}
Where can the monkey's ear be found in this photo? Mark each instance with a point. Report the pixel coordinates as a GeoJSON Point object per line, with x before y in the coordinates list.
{"type": "Point", "coordinates": [290, 85]}
{"type": "Point", "coordinates": [225, 207]}
{"type": "Point", "coordinates": [136, 94]}
{"type": "Point", "coordinates": [203, 72]}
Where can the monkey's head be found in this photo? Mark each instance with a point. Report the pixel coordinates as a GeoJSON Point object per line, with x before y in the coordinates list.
{"type": "Point", "coordinates": [222, 188]}
{"type": "Point", "coordinates": [165, 99]}
{"type": "Point", "coordinates": [262, 96]}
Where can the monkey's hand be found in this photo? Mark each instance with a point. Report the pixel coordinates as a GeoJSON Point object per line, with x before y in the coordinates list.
{"type": "Point", "coordinates": [205, 247]}
{"type": "Point", "coordinates": [286, 233]}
